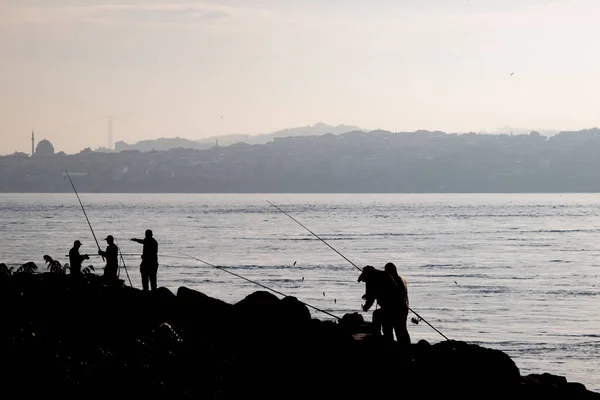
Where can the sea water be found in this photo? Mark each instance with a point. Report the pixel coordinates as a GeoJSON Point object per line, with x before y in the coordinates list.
{"type": "Point", "coordinates": [513, 272]}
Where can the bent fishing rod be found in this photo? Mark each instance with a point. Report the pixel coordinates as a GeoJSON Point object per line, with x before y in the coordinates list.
{"type": "Point", "coordinates": [355, 266]}
{"type": "Point", "coordinates": [259, 284]}
{"type": "Point", "coordinates": [83, 209]}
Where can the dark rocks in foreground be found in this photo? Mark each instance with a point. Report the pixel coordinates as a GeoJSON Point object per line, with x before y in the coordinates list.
{"type": "Point", "coordinates": [66, 338]}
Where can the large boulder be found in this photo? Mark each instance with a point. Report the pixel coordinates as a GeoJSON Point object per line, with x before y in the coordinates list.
{"type": "Point", "coordinates": [458, 366]}
{"type": "Point", "coordinates": [293, 312]}
{"type": "Point", "coordinates": [199, 316]}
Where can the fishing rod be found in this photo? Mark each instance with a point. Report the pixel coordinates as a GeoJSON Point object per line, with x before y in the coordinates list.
{"type": "Point", "coordinates": [260, 284]}
{"type": "Point", "coordinates": [123, 261]}
{"type": "Point", "coordinates": [418, 316]}
{"type": "Point", "coordinates": [84, 213]}
{"type": "Point", "coordinates": [317, 236]}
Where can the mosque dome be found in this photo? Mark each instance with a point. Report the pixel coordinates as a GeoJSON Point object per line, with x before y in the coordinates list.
{"type": "Point", "coordinates": [44, 148]}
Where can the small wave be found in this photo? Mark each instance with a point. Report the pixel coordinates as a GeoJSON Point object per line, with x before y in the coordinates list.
{"type": "Point", "coordinates": [574, 293]}
{"type": "Point", "coordinates": [294, 240]}
{"type": "Point", "coordinates": [486, 289]}
{"type": "Point", "coordinates": [438, 265]}
{"type": "Point", "coordinates": [574, 250]}
{"type": "Point", "coordinates": [463, 276]}
{"type": "Point", "coordinates": [566, 230]}
{"type": "Point", "coordinates": [524, 278]}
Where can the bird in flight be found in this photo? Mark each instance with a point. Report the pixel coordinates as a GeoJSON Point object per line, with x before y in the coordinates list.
{"type": "Point", "coordinates": [512, 73]}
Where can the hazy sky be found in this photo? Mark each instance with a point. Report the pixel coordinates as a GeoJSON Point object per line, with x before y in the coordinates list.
{"type": "Point", "coordinates": [195, 69]}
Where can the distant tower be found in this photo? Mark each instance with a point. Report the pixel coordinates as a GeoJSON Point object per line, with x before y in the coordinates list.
{"type": "Point", "coordinates": [32, 143]}
{"type": "Point", "coordinates": [110, 140]}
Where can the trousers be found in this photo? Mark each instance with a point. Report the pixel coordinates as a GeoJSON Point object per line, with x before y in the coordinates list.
{"type": "Point", "coordinates": [148, 272]}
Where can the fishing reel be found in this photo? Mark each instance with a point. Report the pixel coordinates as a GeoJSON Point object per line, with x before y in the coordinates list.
{"type": "Point", "coordinates": [415, 320]}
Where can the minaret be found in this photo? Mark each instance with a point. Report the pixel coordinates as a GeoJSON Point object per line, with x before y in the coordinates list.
{"type": "Point", "coordinates": [32, 142]}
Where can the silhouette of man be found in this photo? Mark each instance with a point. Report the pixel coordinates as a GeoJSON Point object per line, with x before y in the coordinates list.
{"type": "Point", "coordinates": [75, 259]}
{"type": "Point", "coordinates": [112, 259]}
{"type": "Point", "coordinates": [383, 287]}
{"type": "Point", "coordinates": [396, 314]}
{"type": "Point", "coordinates": [374, 282]}
{"type": "Point", "coordinates": [149, 265]}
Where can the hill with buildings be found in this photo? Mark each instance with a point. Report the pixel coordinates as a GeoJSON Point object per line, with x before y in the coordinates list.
{"type": "Point", "coordinates": [356, 161]}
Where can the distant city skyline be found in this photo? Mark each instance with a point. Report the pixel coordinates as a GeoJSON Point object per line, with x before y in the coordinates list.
{"type": "Point", "coordinates": [194, 69]}
{"type": "Point", "coordinates": [34, 139]}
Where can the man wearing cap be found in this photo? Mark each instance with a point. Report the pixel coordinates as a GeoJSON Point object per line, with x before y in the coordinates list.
{"type": "Point", "coordinates": [149, 265]}
{"type": "Point", "coordinates": [75, 259]}
{"type": "Point", "coordinates": [112, 259]}
{"type": "Point", "coordinates": [391, 293]}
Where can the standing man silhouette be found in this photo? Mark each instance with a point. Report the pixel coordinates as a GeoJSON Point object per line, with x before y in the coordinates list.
{"type": "Point", "coordinates": [112, 260]}
{"type": "Point", "coordinates": [397, 312]}
{"type": "Point", "coordinates": [75, 259]}
{"type": "Point", "coordinates": [149, 265]}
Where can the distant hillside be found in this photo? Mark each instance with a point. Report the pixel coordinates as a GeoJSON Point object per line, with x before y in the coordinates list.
{"type": "Point", "coordinates": [317, 129]}
{"type": "Point", "coordinates": [173, 143]}
{"type": "Point", "coordinates": [162, 144]}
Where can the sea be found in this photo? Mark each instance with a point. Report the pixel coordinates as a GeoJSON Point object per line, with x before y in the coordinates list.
{"type": "Point", "coordinates": [513, 272]}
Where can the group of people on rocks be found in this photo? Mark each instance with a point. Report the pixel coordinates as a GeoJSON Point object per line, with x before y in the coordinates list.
{"type": "Point", "coordinates": [386, 287]}
{"type": "Point", "coordinates": [148, 267]}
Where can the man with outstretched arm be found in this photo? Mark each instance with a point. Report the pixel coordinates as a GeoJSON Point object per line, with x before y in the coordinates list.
{"type": "Point", "coordinates": [149, 265]}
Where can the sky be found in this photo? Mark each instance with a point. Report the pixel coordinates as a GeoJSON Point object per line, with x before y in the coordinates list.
{"type": "Point", "coordinates": [193, 69]}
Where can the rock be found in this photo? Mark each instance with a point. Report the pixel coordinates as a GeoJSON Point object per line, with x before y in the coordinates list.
{"type": "Point", "coordinates": [257, 304]}
{"type": "Point", "coordinates": [88, 338]}
{"type": "Point", "coordinates": [452, 363]}
{"type": "Point", "coordinates": [293, 312]}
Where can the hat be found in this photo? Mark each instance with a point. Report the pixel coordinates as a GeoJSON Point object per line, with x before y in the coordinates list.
{"type": "Point", "coordinates": [366, 272]}
{"type": "Point", "coordinates": [109, 237]}
{"type": "Point", "coordinates": [77, 242]}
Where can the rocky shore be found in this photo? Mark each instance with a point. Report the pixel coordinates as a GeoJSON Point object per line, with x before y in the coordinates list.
{"type": "Point", "coordinates": [66, 337]}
